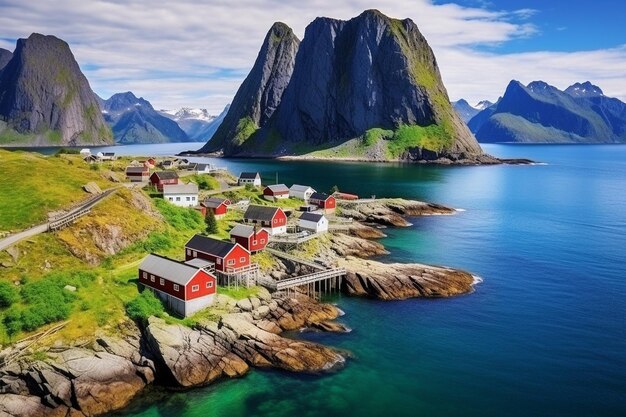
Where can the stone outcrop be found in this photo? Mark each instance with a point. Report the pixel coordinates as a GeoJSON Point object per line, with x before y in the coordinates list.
{"type": "Point", "coordinates": [46, 99]}
{"type": "Point", "coordinates": [391, 211]}
{"type": "Point", "coordinates": [399, 281]}
{"type": "Point", "coordinates": [77, 381]}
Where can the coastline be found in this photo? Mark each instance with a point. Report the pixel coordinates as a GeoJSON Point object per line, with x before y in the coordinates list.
{"type": "Point", "coordinates": [108, 373]}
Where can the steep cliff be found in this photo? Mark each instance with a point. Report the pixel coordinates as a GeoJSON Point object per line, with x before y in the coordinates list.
{"type": "Point", "coordinates": [260, 93]}
{"type": "Point", "coordinates": [370, 85]}
{"type": "Point", "coordinates": [46, 100]}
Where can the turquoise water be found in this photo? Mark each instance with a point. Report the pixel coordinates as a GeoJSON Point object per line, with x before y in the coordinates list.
{"type": "Point", "coordinates": [543, 335]}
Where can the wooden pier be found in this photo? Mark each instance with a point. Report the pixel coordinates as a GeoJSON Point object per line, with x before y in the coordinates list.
{"type": "Point", "coordinates": [313, 285]}
{"type": "Point", "coordinates": [246, 276]}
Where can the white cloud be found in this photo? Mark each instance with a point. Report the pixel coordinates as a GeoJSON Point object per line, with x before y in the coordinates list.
{"type": "Point", "coordinates": [194, 53]}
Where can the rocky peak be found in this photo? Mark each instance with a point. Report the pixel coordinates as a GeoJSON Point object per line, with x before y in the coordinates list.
{"type": "Point", "coordinates": [260, 93]}
{"type": "Point", "coordinates": [44, 95]}
{"type": "Point", "coordinates": [124, 101]}
{"type": "Point", "coordinates": [585, 89]}
{"type": "Point", "coordinates": [5, 57]}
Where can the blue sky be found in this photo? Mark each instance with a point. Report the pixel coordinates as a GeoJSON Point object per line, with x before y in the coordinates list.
{"type": "Point", "coordinates": [196, 53]}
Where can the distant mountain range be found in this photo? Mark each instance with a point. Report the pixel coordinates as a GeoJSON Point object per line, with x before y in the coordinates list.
{"type": "Point", "coordinates": [541, 113]}
{"type": "Point", "coordinates": [466, 111]}
{"type": "Point", "coordinates": [198, 124]}
{"type": "Point", "coordinates": [45, 100]}
{"type": "Point", "coordinates": [366, 88]}
{"type": "Point", "coordinates": [134, 120]}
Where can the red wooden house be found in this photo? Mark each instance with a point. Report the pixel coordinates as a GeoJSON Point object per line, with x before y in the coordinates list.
{"type": "Point", "coordinates": [271, 218]}
{"type": "Point", "coordinates": [219, 206]}
{"type": "Point", "coordinates": [275, 192]}
{"type": "Point", "coordinates": [184, 288]}
{"type": "Point", "coordinates": [137, 174]}
{"type": "Point", "coordinates": [323, 201]}
{"type": "Point", "coordinates": [252, 238]}
{"type": "Point", "coordinates": [226, 256]}
{"type": "Point", "coordinates": [159, 179]}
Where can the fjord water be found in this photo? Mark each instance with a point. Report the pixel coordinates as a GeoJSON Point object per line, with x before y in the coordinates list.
{"type": "Point", "coordinates": [544, 334]}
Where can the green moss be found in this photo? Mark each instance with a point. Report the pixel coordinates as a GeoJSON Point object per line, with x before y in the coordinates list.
{"type": "Point", "coordinates": [245, 129]}
{"type": "Point", "coordinates": [374, 135]}
{"type": "Point", "coordinates": [433, 137]}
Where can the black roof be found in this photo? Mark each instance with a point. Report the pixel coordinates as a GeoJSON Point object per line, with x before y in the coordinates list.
{"type": "Point", "coordinates": [166, 175]}
{"type": "Point", "coordinates": [311, 217]}
{"type": "Point", "coordinates": [319, 196]}
{"type": "Point", "coordinates": [136, 170]}
{"type": "Point", "coordinates": [214, 202]}
{"type": "Point", "coordinates": [248, 175]}
{"type": "Point", "coordinates": [263, 213]}
{"type": "Point", "coordinates": [209, 245]}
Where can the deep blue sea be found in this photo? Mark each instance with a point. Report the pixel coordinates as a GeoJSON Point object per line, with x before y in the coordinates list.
{"type": "Point", "coordinates": [543, 335]}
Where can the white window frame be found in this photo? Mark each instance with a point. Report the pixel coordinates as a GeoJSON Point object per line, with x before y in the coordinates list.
{"type": "Point", "coordinates": [254, 242]}
{"type": "Point", "coordinates": [177, 198]}
{"type": "Point", "coordinates": [230, 262]}
{"type": "Point", "coordinates": [176, 287]}
{"type": "Point", "coordinates": [195, 254]}
{"type": "Point", "coordinates": [161, 281]}
{"type": "Point", "coordinates": [195, 288]}
{"type": "Point", "coordinates": [242, 259]}
{"type": "Point", "coordinates": [209, 284]}
{"type": "Point", "coordinates": [219, 261]}
{"type": "Point", "coordinates": [151, 278]}
{"type": "Point", "coordinates": [145, 275]}
{"type": "Point", "coordinates": [262, 241]}
{"type": "Point", "coordinates": [189, 252]}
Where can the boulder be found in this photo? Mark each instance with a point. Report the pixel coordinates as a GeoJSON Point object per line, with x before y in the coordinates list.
{"type": "Point", "coordinates": [92, 188]}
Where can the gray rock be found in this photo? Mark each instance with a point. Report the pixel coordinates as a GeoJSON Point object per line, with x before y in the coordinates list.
{"type": "Point", "coordinates": [245, 304]}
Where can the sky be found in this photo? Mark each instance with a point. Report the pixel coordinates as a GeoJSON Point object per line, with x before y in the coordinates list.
{"type": "Point", "coordinates": [195, 53]}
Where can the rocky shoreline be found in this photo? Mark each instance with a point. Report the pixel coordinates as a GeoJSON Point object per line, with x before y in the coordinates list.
{"type": "Point", "coordinates": [108, 373]}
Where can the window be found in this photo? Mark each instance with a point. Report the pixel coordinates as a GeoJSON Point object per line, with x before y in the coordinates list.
{"type": "Point", "coordinates": [231, 262]}
{"type": "Point", "coordinates": [145, 275]}
{"type": "Point", "coordinates": [195, 288]}
{"type": "Point", "coordinates": [189, 252]}
{"type": "Point", "coordinates": [171, 198]}
{"type": "Point", "coordinates": [195, 254]}
{"type": "Point", "coordinates": [219, 261]}
{"type": "Point", "coordinates": [193, 198]}
{"type": "Point", "coordinates": [242, 259]}
{"type": "Point", "coordinates": [275, 221]}
{"type": "Point", "coordinates": [177, 198]}
{"type": "Point", "coordinates": [152, 278]}
{"type": "Point", "coordinates": [176, 287]}
{"type": "Point", "coordinates": [254, 242]}
{"type": "Point", "coordinates": [262, 241]}
{"type": "Point", "coordinates": [209, 284]}
{"type": "Point", "coordinates": [161, 281]}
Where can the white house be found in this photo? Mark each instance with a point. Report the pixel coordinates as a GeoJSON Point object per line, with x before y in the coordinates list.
{"type": "Point", "coordinates": [204, 168]}
{"type": "Point", "coordinates": [106, 156]}
{"type": "Point", "coordinates": [303, 192]}
{"type": "Point", "coordinates": [183, 195]}
{"type": "Point", "coordinates": [249, 178]}
{"type": "Point", "coordinates": [85, 152]}
{"type": "Point", "coordinates": [313, 222]}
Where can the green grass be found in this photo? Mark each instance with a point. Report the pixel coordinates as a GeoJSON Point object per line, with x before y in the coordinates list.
{"type": "Point", "coordinates": [376, 134]}
{"type": "Point", "coordinates": [205, 182]}
{"type": "Point", "coordinates": [433, 137]}
{"type": "Point", "coordinates": [238, 293]}
{"type": "Point", "coordinates": [245, 128]}
{"type": "Point", "coordinates": [34, 185]}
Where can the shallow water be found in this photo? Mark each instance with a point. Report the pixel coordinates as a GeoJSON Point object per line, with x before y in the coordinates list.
{"type": "Point", "coordinates": [543, 335]}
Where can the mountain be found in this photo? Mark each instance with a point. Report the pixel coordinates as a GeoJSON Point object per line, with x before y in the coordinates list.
{"type": "Point", "coordinates": [5, 57]}
{"type": "Point", "coordinates": [366, 88]}
{"type": "Point", "coordinates": [198, 124]}
{"type": "Point", "coordinates": [45, 100]}
{"type": "Point", "coordinates": [542, 113]}
{"type": "Point", "coordinates": [483, 104]}
{"type": "Point", "coordinates": [465, 110]}
{"type": "Point", "coordinates": [134, 120]}
{"type": "Point", "coordinates": [260, 93]}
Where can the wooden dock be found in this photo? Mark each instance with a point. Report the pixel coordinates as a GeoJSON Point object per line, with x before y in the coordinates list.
{"type": "Point", "coordinates": [313, 285]}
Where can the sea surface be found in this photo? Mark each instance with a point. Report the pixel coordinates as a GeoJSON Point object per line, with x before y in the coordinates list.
{"type": "Point", "coordinates": [544, 334]}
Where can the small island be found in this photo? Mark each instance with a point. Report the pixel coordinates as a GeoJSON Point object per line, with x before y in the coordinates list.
{"type": "Point", "coordinates": [119, 273]}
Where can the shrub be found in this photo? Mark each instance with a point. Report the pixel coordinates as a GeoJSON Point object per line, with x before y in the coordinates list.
{"type": "Point", "coordinates": [143, 306]}
{"type": "Point", "coordinates": [8, 294]}
{"type": "Point", "coordinates": [180, 218]}
{"type": "Point", "coordinates": [250, 187]}
{"type": "Point", "coordinates": [211, 223]}
{"type": "Point", "coordinates": [13, 321]}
